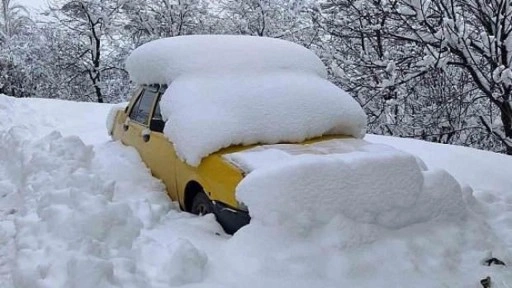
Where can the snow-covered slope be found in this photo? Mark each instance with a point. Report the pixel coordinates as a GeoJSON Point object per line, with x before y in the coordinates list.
{"type": "Point", "coordinates": [73, 215]}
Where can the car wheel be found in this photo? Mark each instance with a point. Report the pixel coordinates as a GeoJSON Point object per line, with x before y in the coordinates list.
{"type": "Point", "coordinates": [201, 205]}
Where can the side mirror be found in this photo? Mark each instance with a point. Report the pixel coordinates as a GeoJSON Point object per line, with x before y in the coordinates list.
{"type": "Point", "coordinates": [157, 125]}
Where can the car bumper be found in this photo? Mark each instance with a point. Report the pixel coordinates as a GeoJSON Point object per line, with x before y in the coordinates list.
{"type": "Point", "coordinates": [229, 218]}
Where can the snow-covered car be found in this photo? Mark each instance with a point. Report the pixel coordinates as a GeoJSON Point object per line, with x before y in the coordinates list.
{"type": "Point", "coordinates": [210, 110]}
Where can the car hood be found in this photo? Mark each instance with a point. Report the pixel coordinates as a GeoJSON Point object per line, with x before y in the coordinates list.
{"type": "Point", "coordinates": [263, 156]}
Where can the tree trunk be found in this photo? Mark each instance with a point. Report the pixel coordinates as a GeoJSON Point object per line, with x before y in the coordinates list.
{"type": "Point", "coordinates": [99, 96]}
{"type": "Point", "coordinates": [506, 118]}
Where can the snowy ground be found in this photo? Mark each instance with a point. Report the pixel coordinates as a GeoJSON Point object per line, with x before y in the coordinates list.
{"type": "Point", "coordinates": [83, 211]}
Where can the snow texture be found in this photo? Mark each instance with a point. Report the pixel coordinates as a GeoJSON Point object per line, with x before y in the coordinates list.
{"type": "Point", "coordinates": [206, 114]}
{"type": "Point", "coordinates": [164, 60]}
{"type": "Point", "coordinates": [367, 184]}
{"type": "Point", "coordinates": [76, 215]}
{"type": "Point", "coordinates": [242, 90]}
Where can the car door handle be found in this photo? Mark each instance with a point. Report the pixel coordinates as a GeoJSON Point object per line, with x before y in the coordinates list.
{"type": "Point", "coordinates": [146, 137]}
{"type": "Point", "coordinates": [125, 127]}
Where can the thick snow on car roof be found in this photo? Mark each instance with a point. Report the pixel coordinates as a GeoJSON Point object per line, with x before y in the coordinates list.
{"type": "Point", "coordinates": [161, 61]}
{"type": "Point", "coordinates": [242, 90]}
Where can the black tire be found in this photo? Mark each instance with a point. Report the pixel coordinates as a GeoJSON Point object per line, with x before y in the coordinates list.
{"type": "Point", "coordinates": [201, 204]}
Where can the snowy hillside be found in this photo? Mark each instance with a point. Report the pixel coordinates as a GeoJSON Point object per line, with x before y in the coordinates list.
{"type": "Point", "coordinates": [78, 210]}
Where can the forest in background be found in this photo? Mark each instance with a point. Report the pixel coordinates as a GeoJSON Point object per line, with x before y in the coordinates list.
{"type": "Point", "coordinates": [436, 70]}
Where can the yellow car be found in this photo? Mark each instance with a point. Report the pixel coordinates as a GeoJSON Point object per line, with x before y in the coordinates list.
{"type": "Point", "coordinates": [228, 91]}
{"type": "Point", "coordinates": [207, 188]}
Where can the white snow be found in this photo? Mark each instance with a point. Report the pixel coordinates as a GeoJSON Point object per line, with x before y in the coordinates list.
{"type": "Point", "coordinates": [263, 156]}
{"type": "Point", "coordinates": [228, 90]}
{"type": "Point", "coordinates": [164, 60]}
{"type": "Point", "coordinates": [73, 215]}
{"type": "Point", "coordinates": [111, 117]}
{"type": "Point", "coordinates": [205, 114]}
{"type": "Point", "coordinates": [371, 185]}
{"type": "Point", "coordinates": [41, 116]}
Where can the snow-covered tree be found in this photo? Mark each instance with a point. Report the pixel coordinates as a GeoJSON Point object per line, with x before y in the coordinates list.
{"type": "Point", "coordinates": [152, 19]}
{"type": "Point", "coordinates": [12, 19]}
{"type": "Point", "coordinates": [382, 50]}
{"type": "Point", "coordinates": [91, 26]}
{"type": "Point", "coordinates": [286, 19]}
{"type": "Point", "coordinates": [475, 35]}
{"type": "Point", "coordinates": [16, 30]}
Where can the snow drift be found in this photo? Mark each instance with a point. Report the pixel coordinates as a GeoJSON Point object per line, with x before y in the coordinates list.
{"type": "Point", "coordinates": [367, 183]}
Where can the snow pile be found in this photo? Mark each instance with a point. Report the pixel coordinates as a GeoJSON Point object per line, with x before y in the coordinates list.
{"type": "Point", "coordinates": [486, 172]}
{"type": "Point", "coordinates": [164, 60]}
{"type": "Point", "coordinates": [206, 114]}
{"type": "Point", "coordinates": [179, 263]}
{"type": "Point", "coordinates": [241, 90]}
{"type": "Point", "coordinates": [68, 223]}
{"type": "Point", "coordinates": [366, 216]}
{"type": "Point", "coordinates": [74, 228]}
{"type": "Point", "coordinates": [368, 183]}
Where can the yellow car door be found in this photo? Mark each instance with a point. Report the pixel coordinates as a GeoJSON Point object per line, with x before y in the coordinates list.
{"type": "Point", "coordinates": [143, 131]}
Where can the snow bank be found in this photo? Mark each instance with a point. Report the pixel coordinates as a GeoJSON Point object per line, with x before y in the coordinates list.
{"type": "Point", "coordinates": [483, 170]}
{"type": "Point", "coordinates": [205, 114]}
{"type": "Point", "coordinates": [109, 188]}
{"type": "Point", "coordinates": [164, 60]}
{"type": "Point", "coordinates": [178, 263]}
{"type": "Point", "coordinates": [73, 227]}
{"type": "Point", "coordinates": [366, 183]}
{"type": "Point", "coordinates": [74, 216]}
{"type": "Point", "coordinates": [366, 216]}
{"type": "Point", "coordinates": [41, 116]}
{"type": "Point", "coordinates": [67, 221]}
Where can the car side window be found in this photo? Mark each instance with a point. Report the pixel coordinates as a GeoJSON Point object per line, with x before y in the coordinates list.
{"type": "Point", "coordinates": [157, 123]}
{"type": "Point", "coordinates": [142, 108]}
{"type": "Point", "coordinates": [157, 114]}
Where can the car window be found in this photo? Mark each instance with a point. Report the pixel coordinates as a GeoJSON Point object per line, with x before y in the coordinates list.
{"type": "Point", "coordinates": [157, 114]}
{"type": "Point", "coordinates": [142, 108]}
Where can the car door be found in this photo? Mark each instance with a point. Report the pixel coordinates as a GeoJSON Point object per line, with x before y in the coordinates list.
{"type": "Point", "coordinates": [163, 157]}
{"type": "Point", "coordinates": [154, 148]}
